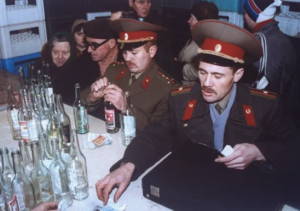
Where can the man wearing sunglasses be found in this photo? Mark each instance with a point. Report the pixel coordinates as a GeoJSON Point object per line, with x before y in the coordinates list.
{"type": "Point", "coordinates": [148, 84]}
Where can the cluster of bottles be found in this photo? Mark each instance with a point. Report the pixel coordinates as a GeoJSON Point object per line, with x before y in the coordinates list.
{"type": "Point", "coordinates": [27, 183]}
{"type": "Point", "coordinates": [126, 120]}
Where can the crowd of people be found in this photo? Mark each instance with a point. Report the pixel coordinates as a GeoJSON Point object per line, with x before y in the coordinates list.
{"type": "Point", "coordinates": [194, 96]}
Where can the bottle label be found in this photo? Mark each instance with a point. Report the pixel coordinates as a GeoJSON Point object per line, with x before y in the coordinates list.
{"type": "Point", "coordinates": [32, 130]}
{"type": "Point", "coordinates": [44, 124]}
{"type": "Point", "coordinates": [14, 118]}
{"type": "Point", "coordinates": [129, 126]}
{"type": "Point", "coordinates": [67, 133]}
{"type": "Point", "coordinates": [110, 119]}
{"type": "Point", "coordinates": [24, 131]}
{"type": "Point", "coordinates": [13, 204]}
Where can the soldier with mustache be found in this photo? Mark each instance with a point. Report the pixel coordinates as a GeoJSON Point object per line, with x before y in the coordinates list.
{"type": "Point", "coordinates": [148, 84]}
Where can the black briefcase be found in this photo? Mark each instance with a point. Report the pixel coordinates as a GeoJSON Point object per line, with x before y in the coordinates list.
{"type": "Point", "coordinates": [189, 179]}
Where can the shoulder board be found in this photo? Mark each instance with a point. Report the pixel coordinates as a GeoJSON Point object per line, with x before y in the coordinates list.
{"type": "Point", "coordinates": [169, 79]}
{"type": "Point", "coordinates": [263, 93]}
{"type": "Point", "coordinates": [117, 63]}
{"type": "Point", "coordinates": [181, 90]}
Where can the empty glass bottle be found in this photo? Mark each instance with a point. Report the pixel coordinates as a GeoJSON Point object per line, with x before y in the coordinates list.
{"type": "Point", "coordinates": [48, 84]}
{"type": "Point", "coordinates": [44, 150]}
{"type": "Point", "coordinates": [127, 121]}
{"type": "Point", "coordinates": [53, 125]}
{"type": "Point", "coordinates": [22, 115]}
{"type": "Point", "coordinates": [77, 170]}
{"type": "Point", "coordinates": [7, 172]}
{"type": "Point", "coordinates": [59, 176]}
{"type": "Point", "coordinates": [12, 114]}
{"type": "Point", "coordinates": [64, 119]}
{"type": "Point", "coordinates": [22, 77]}
{"type": "Point", "coordinates": [3, 203]}
{"type": "Point", "coordinates": [80, 112]}
{"type": "Point", "coordinates": [21, 185]}
{"type": "Point", "coordinates": [40, 177]}
{"type": "Point", "coordinates": [26, 160]}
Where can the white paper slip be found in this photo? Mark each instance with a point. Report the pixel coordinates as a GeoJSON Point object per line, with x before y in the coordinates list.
{"type": "Point", "coordinates": [227, 150]}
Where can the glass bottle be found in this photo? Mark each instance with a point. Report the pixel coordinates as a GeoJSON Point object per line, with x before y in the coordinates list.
{"type": "Point", "coordinates": [44, 118]}
{"type": "Point", "coordinates": [64, 119]}
{"type": "Point", "coordinates": [22, 77]}
{"type": "Point", "coordinates": [26, 160]}
{"type": "Point", "coordinates": [44, 101]}
{"type": "Point", "coordinates": [80, 112]}
{"type": "Point", "coordinates": [32, 76]}
{"type": "Point", "coordinates": [40, 177]}
{"type": "Point", "coordinates": [22, 116]}
{"type": "Point", "coordinates": [12, 114]}
{"type": "Point", "coordinates": [3, 203]}
{"type": "Point", "coordinates": [33, 123]}
{"type": "Point", "coordinates": [44, 150]}
{"type": "Point", "coordinates": [48, 84]}
{"type": "Point", "coordinates": [21, 185]}
{"type": "Point", "coordinates": [33, 97]}
{"type": "Point", "coordinates": [127, 121]}
{"type": "Point", "coordinates": [77, 170]}
{"type": "Point", "coordinates": [53, 125]}
{"type": "Point", "coordinates": [111, 117]}
{"type": "Point", "coordinates": [39, 77]}
{"type": "Point", "coordinates": [59, 176]}
{"type": "Point", "coordinates": [7, 172]}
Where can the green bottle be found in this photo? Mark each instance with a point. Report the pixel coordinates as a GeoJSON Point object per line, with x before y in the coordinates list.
{"type": "Point", "coordinates": [80, 112]}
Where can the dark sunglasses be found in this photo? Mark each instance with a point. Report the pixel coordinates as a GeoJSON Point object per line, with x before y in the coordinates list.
{"type": "Point", "coordinates": [95, 45]}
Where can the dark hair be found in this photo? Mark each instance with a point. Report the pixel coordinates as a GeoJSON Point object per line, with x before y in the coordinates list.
{"type": "Point", "coordinates": [78, 28]}
{"type": "Point", "coordinates": [205, 10]}
{"type": "Point", "coordinates": [58, 38]}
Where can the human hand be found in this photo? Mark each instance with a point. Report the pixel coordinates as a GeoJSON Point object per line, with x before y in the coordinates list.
{"type": "Point", "coordinates": [49, 206]}
{"type": "Point", "coordinates": [119, 178]}
{"type": "Point", "coordinates": [97, 89]}
{"type": "Point", "coordinates": [242, 156]}
{"type": "Point", "coordinates": [114, 94]}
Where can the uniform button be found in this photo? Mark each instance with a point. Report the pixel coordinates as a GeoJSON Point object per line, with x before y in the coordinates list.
{"type": "Point", "coordinates": [168, 82]}
{"type": "Point", "coordinates": [265, 92]}
{"type": "Point", "coordinates": [114, 65]}
{"type": "Point", "coordinates": [185, 125]}
{"type": "Point", "coordinates": [163, 75]}
{"type": "Point", "coordinates": [180, 88]}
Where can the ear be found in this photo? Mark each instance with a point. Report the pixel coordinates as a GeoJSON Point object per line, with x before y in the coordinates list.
{"type": "Point", "coordinates": [112, 43]}
{"type": "Point", "coordinates": [130, 2]}
{"type": "Point", "coordinates": [152, 50]}
{"type": "Point", "coordinates": [238, 75]}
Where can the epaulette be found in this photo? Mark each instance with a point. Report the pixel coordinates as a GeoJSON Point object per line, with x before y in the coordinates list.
{"type": "Point", "coordinates": [181, 90]}
{"type": "Point", "coordinates": [169, 79]}
{"type": "Point", "coordinates": [116, 63]}
{"type": "Point", "coordinates": [263, 93]}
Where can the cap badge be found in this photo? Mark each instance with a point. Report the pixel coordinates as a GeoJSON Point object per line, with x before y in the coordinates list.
{"type": "Point", "coordinates": [218, 48]}
{"type": "Point", "coordinates": [126, 36]}
{"type": "Point", "coordinates": [191, 105]}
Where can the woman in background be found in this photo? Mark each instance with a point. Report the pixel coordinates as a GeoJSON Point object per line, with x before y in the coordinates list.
{"type": "Point", "coordinates": [200, 11]}
{"type": "Point", "coordinates": [78, 35]}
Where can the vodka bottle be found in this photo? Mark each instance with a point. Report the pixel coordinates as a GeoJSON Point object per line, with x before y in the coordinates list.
{"type": "Point", "coordinates": [7, 173]}
{"type": "Point", "coordinates": [44, 101]}
{"type": "Point", "coordinates": [22, 116]}
{"type": "Point", "coordinates": [39, 77]}
{"type": "Point", "coordinates": [22, 78]}
{"type": "Point", "coordinates": [3, 202]}
{"type": "Point", "coordinates": [64, 119]}
{"type": "Point", "coordinates": [26, 160]}
{"type": "Point", "coordinates": [53, 125]}
{"type": "Point", "coordinates": [33, 123]}
{"type": "Point", "coordinates": [12, 114]}
{"type": "Point", "coordinates": [33, 97]}
{"type": "Point", "coordinates": [44, 118]}
{"type": "Point", "coordinates": [44, 150]}
{"type": "Point", "coordinates": [127, 121]}
{"type": "Point", "coordinates": [77, 170]}
{"type": "Point", "coordinates": [80, 112]}
{"type": "Point", "coordinates": [40, 177]}
{"type": "Point", "coordinates": [59, 176]}
{"type": "Point", "coordinates": [48, 84]}
{"type": "Point", "coordinates": [111, 118]}
{"type": "Point", "coordinates": [21, 185]}
{"type": "Point", "coordinates": [32, 79]}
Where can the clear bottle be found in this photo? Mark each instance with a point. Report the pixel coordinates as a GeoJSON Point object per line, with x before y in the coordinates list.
{"type": "Point", "coordinates": [80, 112]}
{"type": "Point", "coordinates": [111, 117]}
{"type": "Point", "coordinates": [22, 116]}
{"type": "Point", "coordinates": [39, 77]}
{"type": "Point", "coordinates": [64, 119]}
{"type": "Point", "coordinates": [48, 84]}
{"type": "Point", "coordinates": [33, 98]}
{"type": "Point", "coordinates": [59, 176]}
{"type": "Point", "coordinates": [21, 185]}
{"type": "Point", "coordinates": [32, 76]}
{"type": "Point", "coordinates": [3, 203]}
{"type": "Point", "coordinates": [44, 118]}
{"type": "Point", "coordinates": [33, 123]}
{"type": "Point", "coordinates": [44, 150]}
{"type": "Point", "coordinates": [22, 77]}
{"type": "Point", "coordinates": [26, 160]}
{"type": "Point", "coordinates": [77, 170]}
{"type": "Point", "coordinates": [40, 177]}
{"type": "Point", "coordinates": [7, 172]}
{"type": "Point", "coordinates": [53, 125]}
{"type": "Point", "coordinates": [127, 121]}
{"type": "Point", "coordinates": [12, 114]}
{"type": "Point", "coordinates": [44, 101]}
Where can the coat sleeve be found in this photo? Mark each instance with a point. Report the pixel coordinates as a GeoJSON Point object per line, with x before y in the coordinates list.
{"type": "Point", "coordinates": [151, 144]}
{"type": "Point", "coordinates": [280, 142]}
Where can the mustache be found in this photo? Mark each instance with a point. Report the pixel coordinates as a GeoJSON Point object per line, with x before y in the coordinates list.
{"type": "Point", "coordinates": [207, 89]}
{"type": "Point", "coordinates": [130, 64]}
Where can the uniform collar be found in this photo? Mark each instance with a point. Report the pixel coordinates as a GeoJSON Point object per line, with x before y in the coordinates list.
{"type": "Point", "coordinates": [261, 25]}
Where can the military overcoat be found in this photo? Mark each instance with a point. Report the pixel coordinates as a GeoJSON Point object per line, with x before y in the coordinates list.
{"type": "Point", "coordinates": [255, 117]}
{"type": "Point", "coordinates": [148, 93]}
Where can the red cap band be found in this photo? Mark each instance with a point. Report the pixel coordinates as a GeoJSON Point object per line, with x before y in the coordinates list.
{"type": "Point", "coordinates": [219, 47]}
{"type": "Point", "coordinates": [138, 36]}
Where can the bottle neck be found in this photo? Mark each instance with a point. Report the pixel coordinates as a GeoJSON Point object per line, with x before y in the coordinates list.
{"type": "Point", "coordinates": [5, 160]}
{"type": "Point", "coordinates": [77, 93]}
{"type": "Point", "coordinates": [56, 150]}
{"type": "Point", "coordinates": [36, 155]}
{"type": "Point", "coordinates": [17, 164]}
{"type": "Point", "coordinates": [74, 143]}
{"type": "Point", "coordinates": [25, 153]}
{"type": "Point", "coordinates": [60, 106]}
{"type": "Point", "coordinates": [11, 97]}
